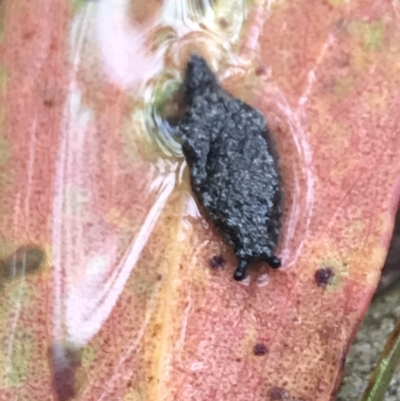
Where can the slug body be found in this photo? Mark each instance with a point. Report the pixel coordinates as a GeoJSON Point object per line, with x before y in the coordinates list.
{"type": "Point", "coordinates": [233, 172]}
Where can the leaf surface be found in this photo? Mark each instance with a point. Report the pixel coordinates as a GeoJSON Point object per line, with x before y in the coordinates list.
{"type": "Point", "coordinates": [126, 305]}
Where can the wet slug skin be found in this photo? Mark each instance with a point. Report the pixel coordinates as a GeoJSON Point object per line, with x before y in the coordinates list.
{"type": "Point", "coordinates": [233, 172]}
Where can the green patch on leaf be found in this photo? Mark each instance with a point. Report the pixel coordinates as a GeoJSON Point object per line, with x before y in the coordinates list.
{"type": "Point", "coordinates": [370, 33]}
{"type": "Point", "coordinates": [18, 293]}
{"type": "Point", "coordinates": [373, 36]}
{"type": "Point", "coordinates": [164, 93]}
{"type": "Point", "coordinates": [89, 354]}
{"type": "Point", "coordinates": [15, 358]}
{"type": "Point", "coordinates": [78, 5]}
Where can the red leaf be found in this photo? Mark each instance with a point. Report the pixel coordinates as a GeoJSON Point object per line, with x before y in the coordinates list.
{"type": "Point", "coordinates": [127, 305]}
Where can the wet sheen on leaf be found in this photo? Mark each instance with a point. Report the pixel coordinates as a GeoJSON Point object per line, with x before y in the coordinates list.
{"type": "Point", "coordinates": [133, 297]}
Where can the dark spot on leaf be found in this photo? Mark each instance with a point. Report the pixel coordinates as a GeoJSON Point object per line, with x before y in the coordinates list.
{"type": "Point", "coordinates": [64, 364]}
{"type": "Point", "coordinates": [340, 25]}
{"type": "Point", "coordinates": [260, 349]}
{"type": "Point", "coordinates": [323, 276]}
{"type": "Point", "coordinates": [343, 59]}
{"type": "Point", "coordinates": [29, 35]}
{"type": "Point", "coordinates": [342, 362]}
{"type": "Point", "coordinates": [217, 262]}
{"type": "Point", "coordinates": [223, 23]}
{"type": "Point", "coordinates": [49, 102]}
{"type": "Point", "coordinates": [261, 70]}
{"type": "Point", "coordinates": [277, 394]}
{"type": "Point", "coordinates": [25, 260]}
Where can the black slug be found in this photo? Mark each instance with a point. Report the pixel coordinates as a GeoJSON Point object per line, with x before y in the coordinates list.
{"type": "Point", "coordinates": [233, 172]}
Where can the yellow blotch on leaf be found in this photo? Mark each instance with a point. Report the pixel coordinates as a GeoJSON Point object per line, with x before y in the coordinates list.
{"type": "Point", "coordinates": [340, 270]}
{"type": "Point", "coordinates": [115, 217]}
{"type": "Point", "coordinates": [248, 341]}
{"type": "Point", "coordinates": [343, 86]}
{"type": "Point", "coordinates": [15, 359]}
{"type": "Point", "coordinates": [89, 354]}
{"type": "Point", "coordinates": [3, 79]}
{"type": "Point", "coordinates": [336, 3]}
{"type": "Point", "coordinates": [19, 293]}
{"type": "Point", "coordinates": [133, 395]}
{"type": "Point", "coordinates": [376, 101]}
{"type": "Point", "coordinates": [355, 229]}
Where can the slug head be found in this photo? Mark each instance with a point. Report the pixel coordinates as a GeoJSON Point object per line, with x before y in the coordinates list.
{"type": "Point", "coordinates": [198, 78]}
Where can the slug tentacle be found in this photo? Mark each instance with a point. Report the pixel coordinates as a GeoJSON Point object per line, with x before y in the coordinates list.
{"type": "Point", "coordinates": [240, 272]}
